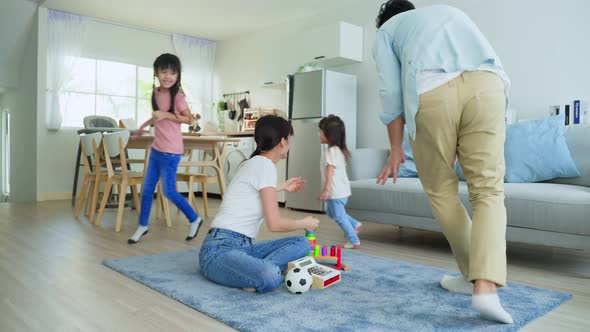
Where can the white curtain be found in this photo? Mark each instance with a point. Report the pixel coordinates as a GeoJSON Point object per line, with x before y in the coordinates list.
{"type": "Point", "coordinates": [65, 38]}
{"type": "Point", "coordinates": [197, 57]}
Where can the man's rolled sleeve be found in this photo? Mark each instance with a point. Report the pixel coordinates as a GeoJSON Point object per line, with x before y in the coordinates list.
{"type": "Point", "coordinates": [389, 73]}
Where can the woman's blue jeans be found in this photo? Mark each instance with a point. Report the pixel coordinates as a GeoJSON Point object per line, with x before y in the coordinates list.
{"type": "Point", "coordinates": [231, 259]}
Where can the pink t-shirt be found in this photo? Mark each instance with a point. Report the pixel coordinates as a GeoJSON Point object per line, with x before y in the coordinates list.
{"type": "Point", "coordinates": [167, 136]}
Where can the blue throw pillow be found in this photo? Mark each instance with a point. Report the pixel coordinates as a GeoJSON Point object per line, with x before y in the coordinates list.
{"type": "Point", "coordinates": [408, 168]}
{"type": "Point", "coordinates": [459, 171]}
{"type": "Point", "coordinates": [407, 147]}
{"type": "Point", "coordinates": [537, 151]}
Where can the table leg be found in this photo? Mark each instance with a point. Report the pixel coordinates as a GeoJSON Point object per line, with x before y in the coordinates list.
{"type": "Point", "coordinates": [219, 169]}
{"type": "Point", "coordinates": [76, 172]}
{"type": "Point", "coordinates": [220, 180]}
{"type": "Point", "coordinates": [132, 201]}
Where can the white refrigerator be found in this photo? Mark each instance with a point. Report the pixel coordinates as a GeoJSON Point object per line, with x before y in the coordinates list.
{"type": "Point", "coordinates": [312, 96]}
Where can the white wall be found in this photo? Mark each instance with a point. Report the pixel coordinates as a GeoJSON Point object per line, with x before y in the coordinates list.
{"type": "Point", "coordinates": [544, 58]}
{"type": "Point", "coordinates": [22, 102]}
{"type": "Point", "coordinates": [16, 20]}
{"type": "Point", "coordinates": [542, 45]}
{"type": "Point", "coordinates": [18, 76]}
{"type": "Point", "coordinates": [56, 154]}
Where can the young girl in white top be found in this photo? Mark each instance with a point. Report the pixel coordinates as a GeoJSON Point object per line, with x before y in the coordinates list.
{"type": "Point", "coordinates": [229, 255]}
{"type": "Point", "coordinates": [336, 189]}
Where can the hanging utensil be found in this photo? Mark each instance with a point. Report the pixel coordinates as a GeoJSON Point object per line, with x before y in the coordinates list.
{"type": "Point", "coordinates": [232, 109]}
{"type": "Point", "coordinates": [243, 103]}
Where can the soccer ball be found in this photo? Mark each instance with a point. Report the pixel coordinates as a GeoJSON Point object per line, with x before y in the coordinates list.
{"type": "Point", "coordinates": [298, 280]}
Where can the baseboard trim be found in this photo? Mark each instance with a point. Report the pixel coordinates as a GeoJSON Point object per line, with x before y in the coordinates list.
{"type": "Point", "coordinates": [41, 197]}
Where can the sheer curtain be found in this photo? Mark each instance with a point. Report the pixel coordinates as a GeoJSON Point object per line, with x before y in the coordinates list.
{"type": "Point", "coordinates": [65, 38]}
{"type": "Point", "coordinates": [197, 57]}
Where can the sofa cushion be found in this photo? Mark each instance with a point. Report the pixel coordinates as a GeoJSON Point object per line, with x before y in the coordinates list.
{"type": "Point", "coordinates": [358, 169]}
{"type": "Point", "coordinates": [548, 206]}
{"type": "Point", "coordinates": [404, 197]}
{"type": "Point", "coordinates": [543, 206]}
{"type": "Point", "coordinates": [366, 163]}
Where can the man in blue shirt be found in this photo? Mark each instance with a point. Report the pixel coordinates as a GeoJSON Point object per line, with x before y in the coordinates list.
{"type": "Point", "coordinates": [441, 78]}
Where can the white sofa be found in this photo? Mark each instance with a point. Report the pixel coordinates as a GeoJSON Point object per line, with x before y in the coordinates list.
{"type": "Point", "coordinates": [553, 213]}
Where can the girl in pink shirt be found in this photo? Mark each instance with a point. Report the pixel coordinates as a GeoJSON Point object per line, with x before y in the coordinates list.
{"type": "Point", "coordinates": [170, 110]}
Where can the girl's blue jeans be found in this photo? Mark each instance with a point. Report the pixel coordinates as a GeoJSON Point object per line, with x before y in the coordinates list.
{"type": "Point", "coordinates": [163, 166]}
{"type": "Point", "coordinates": [336, 210]}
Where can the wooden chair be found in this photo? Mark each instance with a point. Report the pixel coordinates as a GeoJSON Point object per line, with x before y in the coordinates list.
{"type": "Point", "coordinates": [114, 145]}
{"type": "Point", "coordinates": [89, 144]}
{"type": "Point", "coordinates": [100, 176]}
{"type": "Point", "coordinates": [198, 177]}
{"type": "Point", "coordinates": [130, 124]}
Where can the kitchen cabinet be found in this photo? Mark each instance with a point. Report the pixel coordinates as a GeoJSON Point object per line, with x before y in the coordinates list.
{"type": "Point", "coordinates": [333, 45]}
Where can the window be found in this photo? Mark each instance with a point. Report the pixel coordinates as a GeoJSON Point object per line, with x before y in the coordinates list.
{"type": "Point", "coordinates": [114, 89]}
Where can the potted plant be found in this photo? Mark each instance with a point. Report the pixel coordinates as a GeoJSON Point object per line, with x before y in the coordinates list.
{"type": "Point", "coordinates": [222, 105]}
{"type": "Point", "coordinates": [221, 114]}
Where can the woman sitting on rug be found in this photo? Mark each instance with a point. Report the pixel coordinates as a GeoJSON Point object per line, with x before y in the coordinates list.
{"type": "Point", "coordinates": [229, 255]}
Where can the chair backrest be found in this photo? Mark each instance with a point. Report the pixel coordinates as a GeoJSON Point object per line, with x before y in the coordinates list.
{"type": "Point", "coordinates": [99, 121]}
{"type": "Point", "coordinates": [86, 141]}
{"type": "Point", "coordinates": [128, 123]}
{"type": "Point", "coordinates": [114, 145]}
{"type": "Point", "coordinates": [90, 144]}
{"type": "Point", "coordinates": [111, 142]}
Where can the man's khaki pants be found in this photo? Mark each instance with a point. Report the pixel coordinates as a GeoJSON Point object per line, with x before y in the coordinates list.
{"type": "Point", "coordinates": [464, 118]}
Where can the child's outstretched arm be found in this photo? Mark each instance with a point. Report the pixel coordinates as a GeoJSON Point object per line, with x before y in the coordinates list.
{"type": "Point", "coordinates": [325, 194]}
{"type": "Point", "coordinates": [139, 131]}
{"type": "Point", "coordinates": [277, 223]}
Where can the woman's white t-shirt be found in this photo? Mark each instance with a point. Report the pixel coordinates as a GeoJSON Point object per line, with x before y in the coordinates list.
{"type": "Point", "coordinates": [340, 185]}
{"type": "Point", "coordinates": [241, 208]}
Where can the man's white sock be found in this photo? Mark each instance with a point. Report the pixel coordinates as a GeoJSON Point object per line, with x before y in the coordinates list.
{"type": "Point", "coordinates": [456, 284]}
{"type": "Point", "coordinates": [194, 229]}
{"type": "Point", "coordinates": [141, 231]}
{"type": "Point", "coordinates": [489, 307]}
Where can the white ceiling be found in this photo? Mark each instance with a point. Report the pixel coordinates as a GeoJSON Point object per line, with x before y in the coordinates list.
{"type": "Point", "coordinates": [211, 19]}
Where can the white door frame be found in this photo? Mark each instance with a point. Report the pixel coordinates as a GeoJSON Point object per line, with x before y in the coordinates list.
{"type": "Point", "coordinates": [4, 154]}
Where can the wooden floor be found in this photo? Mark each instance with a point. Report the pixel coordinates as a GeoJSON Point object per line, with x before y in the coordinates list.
{"type": "Point", "coordinates": [52, 279]}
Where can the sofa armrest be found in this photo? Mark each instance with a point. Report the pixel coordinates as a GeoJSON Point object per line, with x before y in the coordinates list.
{"type": "Point", "coordinates": [366, 163]}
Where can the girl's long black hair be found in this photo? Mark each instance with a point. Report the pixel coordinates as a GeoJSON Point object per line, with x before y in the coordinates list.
{"type": "Point", "coordinates": [335, 132]}
{"type": "Point", "coordinates": [269, 131]}
{"type": "Point", "coordinates": [172, 62]}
